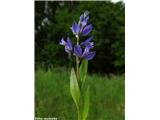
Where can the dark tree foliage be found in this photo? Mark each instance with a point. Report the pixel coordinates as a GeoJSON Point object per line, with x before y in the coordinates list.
{"type": "Point", "coordinates": [53, 20]}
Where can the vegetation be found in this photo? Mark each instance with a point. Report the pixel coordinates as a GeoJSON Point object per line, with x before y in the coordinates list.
{"type": "Point", "coordinates": [52, 64]}
{"type": "Point", "coordinates": [54, 18]}
{"type": "Point", "coordinates": [53, 99]}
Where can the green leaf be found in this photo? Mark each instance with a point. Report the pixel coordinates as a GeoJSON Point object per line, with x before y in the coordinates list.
{"type": "Point", "coordinates": [85, 105]}
{"type": "Point", "coordinates": [74, 88]}
{"type": "Point", "coordinates": [83, 70]}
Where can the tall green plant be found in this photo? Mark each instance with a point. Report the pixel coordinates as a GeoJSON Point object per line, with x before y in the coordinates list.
{"type": "Point", "coordinates": [83, 54]}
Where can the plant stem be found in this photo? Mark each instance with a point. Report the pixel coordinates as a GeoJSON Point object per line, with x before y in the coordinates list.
{"type": "Point", "coordinates": [77, 63]}
{"type": "Point", "coordinates": [78, 78]}
{"type": "Point", "coordinates": [79, 115]}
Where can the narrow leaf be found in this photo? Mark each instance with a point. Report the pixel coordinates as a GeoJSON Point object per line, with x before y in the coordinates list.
{"type": "Point", "coordinates": [83, 70]}
{"type": "Point", "coordinates": [74, 88]}
{"type": "Point", "coordinates": [85, 105]}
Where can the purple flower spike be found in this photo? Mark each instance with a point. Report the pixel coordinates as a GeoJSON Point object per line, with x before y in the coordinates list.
{"type": "Point", "coordinates": [87, 30]}
{"type": "Point", "coordinates": [77, 51]}
{"type": "Point", "coordinates": [75, 28]}
{"type": "Point", "coordinates": [80, 29]}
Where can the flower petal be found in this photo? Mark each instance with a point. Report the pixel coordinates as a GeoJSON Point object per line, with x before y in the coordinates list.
{"type": "Point", "coordinates": [77, 51]}
{"type": "Point", "coordinates": [75, 28]}
{"type": "Point", "coordinates": [87, 18]}
{"type": "Point", "coordinates": [68, 46]}
{"type": "Point", "coordinates": [87, 42]}
{"type": "Point", "coordinates": [81, 18]}
{"type": "Point", "coordinates": [91, 44]}
{"type": "Point", "coordinates": [89, 39]}
{"type": "Point", "coordinates": [62, 42]}
{"type": "Point", "coordinates": [87, 30]}
{"type": "Point", "coordinates": [84, 44]}
{"type": "Point", "coordinates": [69, 43]}
{"type": "Point", "coordinates": [84, 19]}
{"type": "Point", "coordinates": [86, 50]}
{"type": "Point", "coordinates": [90, 55]}
{"type": "Point", "coordinates": [84, 22]}
{"type": "Point", "coordinates": [67, 49]}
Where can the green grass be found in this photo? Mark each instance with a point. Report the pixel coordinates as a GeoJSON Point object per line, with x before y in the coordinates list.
{"type": "Point", "coordinates": [53, 99]}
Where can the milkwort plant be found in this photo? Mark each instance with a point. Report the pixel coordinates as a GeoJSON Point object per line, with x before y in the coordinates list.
{"type": "Point", "coordinates": [82, 52]}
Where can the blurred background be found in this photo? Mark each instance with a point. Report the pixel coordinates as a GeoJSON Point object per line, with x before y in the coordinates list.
{"type": "Point", "coordinates": [53, 20]}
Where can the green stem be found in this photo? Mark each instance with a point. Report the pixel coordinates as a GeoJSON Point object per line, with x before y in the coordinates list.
{"type": "Point", "coordinates": [79, 115]}
{"type": "Point", "coordinates": [77, 63]}
{"type": "Point", "coordinates": [77, 67]}
{"type": "Point", "coordinates": [78, 79]}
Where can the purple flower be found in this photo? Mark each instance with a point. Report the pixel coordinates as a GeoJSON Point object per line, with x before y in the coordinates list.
{"type": "Point", "coordinates": [80, 29]}
{"type": "Point", "coordinates": [87, 42]}
{"type": "Point", "coordinates": [62, 42]}
{"type": "Point", "coordinates": [68, 45]}
{"type": "Point", "coordinates": [84, 18]}
{"type": "Point", "coordinates": [77, 51]}
{"type": "Point", "coordinates": [87, 30]}
{"type": "Point", "coordinates": [85, 15]}
{"type": "Point", "coordinates": [75, 28]}
{"type": "Point", "coordinates": [86, 54]}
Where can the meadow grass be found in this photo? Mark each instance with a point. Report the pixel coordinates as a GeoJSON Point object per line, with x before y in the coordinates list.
{"type": "Point", "coordinates": [53, 99]}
